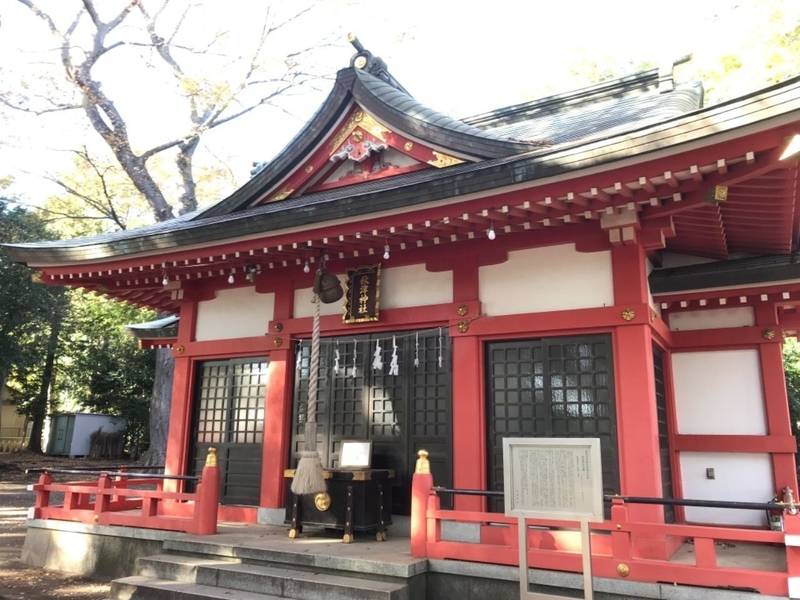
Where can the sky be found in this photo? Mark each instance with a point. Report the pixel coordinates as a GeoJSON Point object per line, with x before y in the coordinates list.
{"type": "Point", "coordinates": [458, 57]}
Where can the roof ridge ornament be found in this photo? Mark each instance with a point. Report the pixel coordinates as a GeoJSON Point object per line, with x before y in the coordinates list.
{"type": "Point", "coordinates": [364, 60]}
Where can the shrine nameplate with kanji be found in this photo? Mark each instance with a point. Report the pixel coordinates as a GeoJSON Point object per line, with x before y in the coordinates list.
{"type": "Point", "coordinates": [553, 478]}
{"type": "Point", "coordinates": [362, 298]}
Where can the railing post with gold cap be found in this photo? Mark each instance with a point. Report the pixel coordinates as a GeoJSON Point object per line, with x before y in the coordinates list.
{"type": "Point", "coordinates": [207, 496]}
{"type": "Point", "coordinates": [420, 490]}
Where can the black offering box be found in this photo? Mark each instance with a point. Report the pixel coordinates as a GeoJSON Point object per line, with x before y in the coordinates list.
{"type": "Point", "coordinates": [358, 499]}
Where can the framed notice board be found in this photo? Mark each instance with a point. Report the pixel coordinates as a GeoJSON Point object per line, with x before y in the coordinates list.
{"type": "Point", "coordinates": [553, 478]}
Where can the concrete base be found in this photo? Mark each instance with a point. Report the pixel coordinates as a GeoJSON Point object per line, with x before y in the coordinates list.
{"type": "Point", "coordinates": [113, 552]}
{"type": "Point", "coordinates": [95, 551]}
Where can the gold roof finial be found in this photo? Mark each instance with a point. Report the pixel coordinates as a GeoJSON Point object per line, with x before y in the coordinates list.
{"type": "Point", "coordinates": [353, 39]}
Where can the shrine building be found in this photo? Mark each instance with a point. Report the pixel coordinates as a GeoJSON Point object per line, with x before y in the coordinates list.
{"type": "Point", "coordinates": [616, 262]}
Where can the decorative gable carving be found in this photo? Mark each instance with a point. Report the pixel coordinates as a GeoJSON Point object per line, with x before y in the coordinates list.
{"type": "Point", "coordinates": [360, 149]}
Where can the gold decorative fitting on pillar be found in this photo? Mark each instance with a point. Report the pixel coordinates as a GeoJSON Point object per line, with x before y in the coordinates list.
{"type": "Point", "coordinates": [180, 349]}
{"type": "Point", "coordinates": [768, 334]}
{"type": "Point", "coordinates": [211, 457]}
{"type": "Point", "coordinates": [423, 466]}
{"type": "Point", "coordinates": [628, 314]}
{"type": "Point", "coordinates": [277, 342]}
{"type": "Point", "coordinates": [463, 326]}
{"type": "Point", "coordinates": [408, 146]}
{"type": "Point", "coordinates": [623, 570]}
{"type": "Point", "coordinates": [462, 310]}
{"type": "Point", "coordinates": [322, 501]}
{"type": "Point", "coordinates": [278, 326]}
{"type": "Point", "coordinates": [309, 168]}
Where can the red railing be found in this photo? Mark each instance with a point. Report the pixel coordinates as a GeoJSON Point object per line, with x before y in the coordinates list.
{"type": "Point", "coordinates": [621, 548]}
{"type": "Point", "coordinates": [118, 499]}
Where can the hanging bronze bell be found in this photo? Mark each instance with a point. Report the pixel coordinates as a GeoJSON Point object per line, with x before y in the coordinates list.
{"type": "Point", "coordinates": [328, 287]}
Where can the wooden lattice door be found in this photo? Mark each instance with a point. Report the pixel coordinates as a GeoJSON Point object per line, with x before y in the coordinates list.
{"type": "Point", "coordinates": [229, 415]}
{"type": "Point", "coordinates": [551, 387]}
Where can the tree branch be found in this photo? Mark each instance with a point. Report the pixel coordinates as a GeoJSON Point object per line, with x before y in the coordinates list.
{"type": "Point", "coordinates": [58, 108]}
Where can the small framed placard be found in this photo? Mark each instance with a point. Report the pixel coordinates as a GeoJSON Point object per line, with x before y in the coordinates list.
{"type": "Point", "coordinates": [553, 478]}
{"type": "Point", "coordinates": [355, 454]}
{"type": "Point", "coordinates": [362, 295]}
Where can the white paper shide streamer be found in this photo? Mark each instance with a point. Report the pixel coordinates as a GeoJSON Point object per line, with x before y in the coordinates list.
{"type": "Point", "coordinates": [377, 357]}
{"type": "Point", "coordinates": [394, 365]}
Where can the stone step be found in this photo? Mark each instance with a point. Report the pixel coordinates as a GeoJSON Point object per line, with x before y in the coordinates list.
{"type": "Point", "coordinates": [151, 588]}
{"type": "Point", "coordinates": [300, 585]}
{"type": "Point", "coordinates": [382, 560]}
{"type": "Point", "coordinates": [177, 567]}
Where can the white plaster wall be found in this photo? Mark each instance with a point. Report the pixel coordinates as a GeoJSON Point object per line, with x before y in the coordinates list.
{"type": "Point", "coordinates": [401, 287]}
{"type": "Point", "coordinates": [719, 392]}
{"type": "Point", "coordinates": [712, 318]}
{"type": "Point", "coordinates": [548, 278]}
{"type": "Point", "coordinates": [85, 426]}
{"type": "Point", "coordinates": [234, 313]}
{"type": "Point", "coordinates": [412, 285]}
{"type": "Point", "coordinates": [742, 477]}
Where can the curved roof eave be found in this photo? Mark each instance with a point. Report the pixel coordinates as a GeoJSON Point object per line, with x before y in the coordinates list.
{"type": "Point", "coordinates": [766, 108]}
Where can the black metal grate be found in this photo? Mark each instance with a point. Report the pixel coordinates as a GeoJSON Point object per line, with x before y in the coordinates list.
{"type": "Point", "coordinates": [551, 387]}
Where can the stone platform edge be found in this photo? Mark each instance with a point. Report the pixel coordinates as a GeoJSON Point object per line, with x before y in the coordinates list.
{"type": "Point", "coordinates": [110, 552]}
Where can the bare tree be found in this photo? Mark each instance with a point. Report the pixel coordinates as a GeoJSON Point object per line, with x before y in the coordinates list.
{"type": "Point", "coordinates": [138, 24]}
{"type": "Point", "coordinates": [208, 105]}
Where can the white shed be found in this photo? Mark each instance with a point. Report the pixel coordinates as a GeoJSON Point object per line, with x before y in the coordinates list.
{"type": "Point", "coordinates": [70, 433]}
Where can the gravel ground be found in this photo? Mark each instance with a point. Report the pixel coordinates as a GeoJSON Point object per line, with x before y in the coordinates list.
{"type": "Point", "coordinates": [18, 582]}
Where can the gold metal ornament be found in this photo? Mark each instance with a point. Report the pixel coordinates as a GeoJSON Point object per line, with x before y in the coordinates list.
{"type": "Point", "coordinates": [628, 314]}
{"type": "Point", "coordinates": [211, 457]}
{"type": "Point", "coordinates": [277, 342]}
{"type": "Point", "coordinates": [278, 326]}
{"type": "Point", "coordinates": [441, 160]}
{"type": "Point", "coordinates": [463, 326]}
{"type": "Point", "coordinates": [322, 501]}
{"type": "Point", "coordinates": [309, 168]}
{"type": "Point", "coordinates": [292, 533]}
{"type": "Point", "coordinates": [360, 62]}
{"type": "Point", "coordinates": [462, 310]}
{"type": "Point", "coordinates": [623, 570]}
{"type": "Point", "coordinates": [180, 349]}
{"type": "Point", "coordinates": [423, 466]}
{"type": "Point", "coordinates": [768, 334]}
{"type": "Point", "coordinates": [408, 146]}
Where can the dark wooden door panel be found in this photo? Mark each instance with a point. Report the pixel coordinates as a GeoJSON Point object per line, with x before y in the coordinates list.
{"type": "Point", "coordinates": [551, 387]}
{"type": "Point", "coordinates": [398, 413]}
{"type": "Point", "coordinates": [229, 416]}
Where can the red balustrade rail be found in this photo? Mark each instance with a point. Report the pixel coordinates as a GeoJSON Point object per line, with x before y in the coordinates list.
{"type": "Point", "coordinates": [133, 502]}
{"type": "Point", "coordinates": [621, 548]}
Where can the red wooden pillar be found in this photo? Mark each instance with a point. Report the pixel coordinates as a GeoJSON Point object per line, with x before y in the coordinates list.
{"type": "Point", "coordinates": [181, 403]}
{"type": "Point", "coordinates": [776, 402]}
{"type": "Point", "coordinates": [637, 418]}
{"type": "Point", "coordinates": [469, 435]}
{"type": "Point", "coordinates": [278, 403]}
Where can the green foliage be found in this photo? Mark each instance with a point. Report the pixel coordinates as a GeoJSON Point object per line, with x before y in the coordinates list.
{"type": "Point", "coordinates": [98, 366]}
{"type": "Point", "coordinates": [791, 365]}
{"type": "Point", "coordinates": [25, 306]}
{"type": "Point", "coordinates": [102, 368]}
